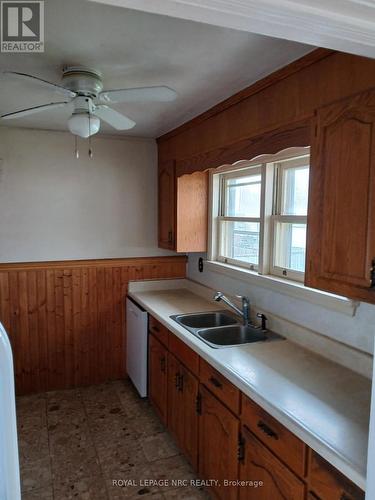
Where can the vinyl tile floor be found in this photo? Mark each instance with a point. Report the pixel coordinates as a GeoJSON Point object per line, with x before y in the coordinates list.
{"type": "Point", "coordinates": [98, 443]}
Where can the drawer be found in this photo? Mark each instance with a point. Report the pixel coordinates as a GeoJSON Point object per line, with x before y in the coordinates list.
{"type": "Point", "coordinates": [291, 450]}
{"type": "Point", "coordinates": [183, 353]}
{"type": "Point", "coordinates": [158, 330]}
{"type": "Point", "coordinates": [257, 461]}
{"type": "Point", "coordinates": [328, 483]}
{"type": "Point", "coordinates": [220, 386]}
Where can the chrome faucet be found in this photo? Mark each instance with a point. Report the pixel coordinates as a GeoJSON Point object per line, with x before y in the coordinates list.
{"type": "Point", "coordinates": [244, 312]}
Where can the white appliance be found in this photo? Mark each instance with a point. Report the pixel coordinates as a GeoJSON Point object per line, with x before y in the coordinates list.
{"type": "Point", "coordinates": [136, 346]}
{"type": "Point", "coordinates": [370, 479]}
{"type": "Point", "coordinates": [9, 465]}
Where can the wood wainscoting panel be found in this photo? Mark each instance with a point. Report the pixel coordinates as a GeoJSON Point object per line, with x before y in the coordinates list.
{"type": "Point", "coordinates": [66, 320]}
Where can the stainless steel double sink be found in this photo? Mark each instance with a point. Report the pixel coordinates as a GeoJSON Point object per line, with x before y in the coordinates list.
{"type": "Point", "coordinates": [221, 329]}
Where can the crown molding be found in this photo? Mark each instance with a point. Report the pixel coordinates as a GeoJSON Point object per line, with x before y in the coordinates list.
{"type": "Point", "coordinates": [344, 25]}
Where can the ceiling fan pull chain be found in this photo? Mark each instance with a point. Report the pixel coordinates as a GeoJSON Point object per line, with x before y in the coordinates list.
{"type": "Point", "coordinates": [90, 150]}
{"type": "Point", "coordinates": [76, 152]}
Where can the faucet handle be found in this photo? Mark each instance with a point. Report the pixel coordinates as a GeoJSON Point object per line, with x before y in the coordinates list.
{"type": "Point", "coordinates": [263, 317]}
{"type": "Point", "coordinates": [244, 298]}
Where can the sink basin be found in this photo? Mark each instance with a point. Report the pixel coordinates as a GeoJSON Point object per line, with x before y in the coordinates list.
{"type": "Point", "coordinates": [205, 320]}
{"type": "Point", "coordinates": [222, 329]}
{"type": "Point", "coordinates": [231, 335]}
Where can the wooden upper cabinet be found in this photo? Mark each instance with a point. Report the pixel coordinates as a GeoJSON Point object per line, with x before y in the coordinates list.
{"type": "Point", "coordinates": [192, 212]}
{"type": "Point", "coordinates": [183, 212]}
{"type": "Point", "coordinates": [341, 220]}
{"type": "Point", "coordinates": [167, 204]}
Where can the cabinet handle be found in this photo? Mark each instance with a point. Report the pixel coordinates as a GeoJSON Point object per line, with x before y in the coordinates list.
{"type": "Point", "coordinates": [176, 380]}
{"type": "Point", "coordinates": [267, 430]}
{"type": "Point", "coordinates": [162, 364]}
{"type": "Point", "coordinates": [215, 382]}
{"type": "Point", "coordinates": [372, 278]}
{"type": "Point", "coordinates": [155, 329]}
{"type": "Point", "coordinates": [198, 404]}
{"type": "Point", "coordinates": [181, 383]}
{"type": "Point", "coordinates": [170, 234]}
{"type": "Point", "coordinates": [241, 449]}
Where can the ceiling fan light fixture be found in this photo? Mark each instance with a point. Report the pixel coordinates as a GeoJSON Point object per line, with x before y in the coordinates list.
{"type": "Point", "coordinates": [83, 124]}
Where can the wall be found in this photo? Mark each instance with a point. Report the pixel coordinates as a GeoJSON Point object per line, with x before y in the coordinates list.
{"type": "Point", "coordinates": [345, 339]}
{"type": "Point", "coordinates": [55, 207]}
{"type": "Point", "coordinates": [67, 321]}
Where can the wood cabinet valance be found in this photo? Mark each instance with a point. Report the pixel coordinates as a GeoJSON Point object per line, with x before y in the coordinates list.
{"type": "Point", "coordinates": [294, 135]}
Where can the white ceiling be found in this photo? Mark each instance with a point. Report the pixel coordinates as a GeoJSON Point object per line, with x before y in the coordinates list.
{"type": "Point", "coordinates": [204, 64]}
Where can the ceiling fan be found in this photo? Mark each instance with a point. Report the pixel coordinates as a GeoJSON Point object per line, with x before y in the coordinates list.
{"type": "Point", "coordinates": [82, 88]}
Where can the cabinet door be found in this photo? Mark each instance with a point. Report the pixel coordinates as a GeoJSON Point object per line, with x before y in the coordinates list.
{"type": "Point", "coordinates": [341, 216]}
{"type": "Point", "coordinates": [218, 445]}
{"type": "Point", "coordinates": [327, 483]}
{"type": "Point", "coordinates": [274, 481]}
{"type": "Point", "coordinates": [175, 400]}
{"type": "Point", "coordinates": [158, 358]}
{"type": "Point", "coordinates": [190, 387]}
{"type": "Point", "coordinates": [167, 205]}
{"type": "Point", "coordinates": [182, 413]}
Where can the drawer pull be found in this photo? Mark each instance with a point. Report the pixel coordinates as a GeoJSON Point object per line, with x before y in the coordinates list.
{"type": "Point", "coordinates": [198, 404]}
{"type": "Point", "coordinates": [181, 383]}
{"type": "Point", "coordinates": [155, 329]}
{"type": "Point", "coordinates": [267, 430]}
{"type": "Point", "coordinates": [216, 382]}
{"type": "Point", "coordinates": [177, 380]}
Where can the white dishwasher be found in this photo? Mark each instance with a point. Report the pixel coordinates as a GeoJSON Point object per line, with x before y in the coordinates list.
{"type": "Point", "coordinates": [136, 345]}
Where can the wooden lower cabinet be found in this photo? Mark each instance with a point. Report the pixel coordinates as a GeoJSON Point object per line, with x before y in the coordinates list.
{"type": "Point", "coordinates": [327, 483]}
{"type": "Point", "coordinates": [190, 419]}
{"type": "Point", "coordinates": [158, 369]}
{"type": "Point", "coordinates": [182, 414]}
{"type": "Point", "coordinates": [264, 476]}
{"type": "Point", "coordinates": [275, 436]}
{"type": "Point", "coordinates": [246, 455]}
{"type": "Point", "coordinates": [218, 445]}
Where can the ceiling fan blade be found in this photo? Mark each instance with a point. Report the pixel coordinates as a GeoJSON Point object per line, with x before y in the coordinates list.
{"type": "Point", "coordinates": [40, 81]}
{"type": "Point", "coordinates": [145, 94]}
{"type": "Point", "coordinates": [31, 111]}
{"type": "Point", "coordinates": [113, 118]}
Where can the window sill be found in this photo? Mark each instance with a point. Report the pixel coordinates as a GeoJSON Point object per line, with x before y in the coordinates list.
{"type": "Point", "coordinates": [286, 287]}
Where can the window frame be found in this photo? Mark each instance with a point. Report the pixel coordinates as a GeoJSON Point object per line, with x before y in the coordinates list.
{"type": "Point", "coordinates": [277, 216]}
{"type": "Point", "coordinates": [267, 166]}
{"type": "Point", "coordinates": [235, 174]}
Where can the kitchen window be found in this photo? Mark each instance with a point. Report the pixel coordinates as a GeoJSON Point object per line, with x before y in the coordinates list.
{"type": "Point", "coordinates": [240, 221]}
{"type": "Point", "coordinates": [259, 215]}
{"type": "Point", "coordinates": [289, 218]}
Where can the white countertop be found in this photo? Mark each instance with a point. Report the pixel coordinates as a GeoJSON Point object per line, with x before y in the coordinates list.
{"type": "Point", "coordinates": [323, 403]}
